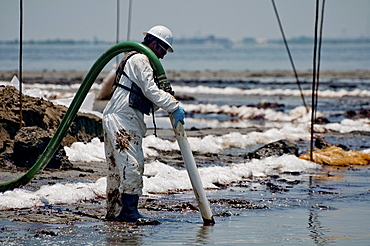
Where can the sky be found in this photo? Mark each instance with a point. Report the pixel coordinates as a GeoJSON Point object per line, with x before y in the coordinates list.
{"type": "Point", "coordinates": [234, 19]}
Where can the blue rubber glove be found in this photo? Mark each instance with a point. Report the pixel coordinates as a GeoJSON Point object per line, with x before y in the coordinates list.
{"type": "Point", "coordinates": [179, 115]}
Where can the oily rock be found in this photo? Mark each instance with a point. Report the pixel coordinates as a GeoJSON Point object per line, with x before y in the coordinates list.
{"type": "Point", "coordinates": [277, 148]}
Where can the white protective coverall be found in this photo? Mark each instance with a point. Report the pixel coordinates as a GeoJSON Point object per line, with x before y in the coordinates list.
{"type": "Point", "coordinates": [124, 129]}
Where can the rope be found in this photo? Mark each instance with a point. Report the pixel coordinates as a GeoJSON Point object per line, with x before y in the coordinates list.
{"type": "Point", "coordinates": [289, 54]}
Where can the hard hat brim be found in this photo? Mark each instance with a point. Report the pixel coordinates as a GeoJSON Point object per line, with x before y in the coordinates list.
{"type": "Point", "coordinates": [169, 49]}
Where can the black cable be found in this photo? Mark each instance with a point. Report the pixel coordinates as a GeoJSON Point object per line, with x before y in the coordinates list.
{"type": "Point", "coordinates": [319, 56]}
{"type": "Point", "coordinates": [117, 30]}
{"type": "Point", "coordinates": [314, 81]}
{"type": "Point", "coordinates": [289, 54]}
{"type": "Point", "coordinates": [129, 20]}
{"type": "Point", "coordinates": [20, 60]}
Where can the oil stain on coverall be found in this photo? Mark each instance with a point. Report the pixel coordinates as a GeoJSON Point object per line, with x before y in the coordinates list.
{"type": "Point", "coordinates": [122, 140]}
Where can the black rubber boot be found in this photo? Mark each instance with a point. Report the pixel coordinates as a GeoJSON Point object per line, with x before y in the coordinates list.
{"type": "Point", "coordinates": [129, 212]}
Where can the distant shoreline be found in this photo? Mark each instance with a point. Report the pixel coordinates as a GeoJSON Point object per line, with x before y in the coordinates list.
{"type": "Point", "coordinates": [77, 76]}
{"type": "Point", "coordinates": [206, 39]}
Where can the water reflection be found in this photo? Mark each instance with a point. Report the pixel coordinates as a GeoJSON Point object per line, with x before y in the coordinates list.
{"type": "Point", "coordinates": [204, 235]}
{"type": "Point", "coordinates": [317, 231]}
{"type": "Point", "coordinates": [329, 174]}
{"type": "Point", "coordinates": [117, 233]}
{"type": "Point", "coordinates": [123, 233]}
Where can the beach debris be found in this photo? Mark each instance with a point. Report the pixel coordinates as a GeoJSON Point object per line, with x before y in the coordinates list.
{"type": "Point", "coordinates": [361, 114]}
{"type": "Point", "coordinates": [237, 203]}
{"type": "Point", "coordinates": [277, 148]}
{"type": "Point", "coordinates": [184, 98]}
{"type": "Point", "coordinates": [157, 205]}
{"type": "Point", "coordinates": [226, 214]}
{"type": "Point", "coordinates": [266, 105]}
{"type": "Point", "coordinates": [336, 155]}
{"type": "Point", "coordinates": [46, 232]}
{"type": "Point", "coordinates": [323, 207]}
{"type": "Point", "coordinates": [147, 221]}
{"type": "Point", "coordinates": [275, 188]}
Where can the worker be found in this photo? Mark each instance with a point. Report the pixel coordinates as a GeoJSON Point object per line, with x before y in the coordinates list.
{"type": "Point", "coordinates": [136, 94]}
{"type": "Point", "coordinates": [106, 86]}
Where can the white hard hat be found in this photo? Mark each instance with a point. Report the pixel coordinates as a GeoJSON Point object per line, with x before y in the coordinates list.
{"type": "Point", "coordinates": [162, 33]}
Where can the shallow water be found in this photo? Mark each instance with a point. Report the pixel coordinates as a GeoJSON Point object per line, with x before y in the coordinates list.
{"type": "Point", "coordinates": [329, 207]}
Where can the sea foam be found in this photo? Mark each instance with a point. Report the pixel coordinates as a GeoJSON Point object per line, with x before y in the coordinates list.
{"type": "Point", "coordinates": [158, 178]}
{"type": "Point", "coordinates": [200, 89]}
